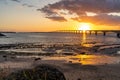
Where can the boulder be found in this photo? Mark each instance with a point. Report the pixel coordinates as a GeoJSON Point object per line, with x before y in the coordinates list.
{"type": "Point", "coordinates": [42, 72]}
{"type": "Point", "coordinates": [2, 34]}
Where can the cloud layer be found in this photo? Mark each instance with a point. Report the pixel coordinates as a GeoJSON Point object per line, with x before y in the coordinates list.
{"type": "Point", "coordinates": [16, 1]}
{"type": "Point", "coordinates": [79, 8]}
{"type": "Point", "coordinates": [24, 4]}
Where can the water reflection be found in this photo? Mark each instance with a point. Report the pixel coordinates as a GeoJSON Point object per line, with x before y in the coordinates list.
{"type": "Point", "coordinates": [88, 59]}
{"type": "Point", "coordinates": [85, 41]}
{"type": "Point", "coordinates": [84, 37]}
{"type": "Point", "coordinates": [96, 59]}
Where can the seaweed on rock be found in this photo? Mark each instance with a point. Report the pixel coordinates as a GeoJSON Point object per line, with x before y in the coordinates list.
{"type": "Point", "coordinates": [42, 72]}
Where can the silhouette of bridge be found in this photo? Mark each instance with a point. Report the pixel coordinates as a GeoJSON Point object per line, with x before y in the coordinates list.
{"type": "Point", "coordinates": [90, 32]}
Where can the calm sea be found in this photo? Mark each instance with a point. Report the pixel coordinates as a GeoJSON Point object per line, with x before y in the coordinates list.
{"type": "Point", "coordinates": [48, 38]}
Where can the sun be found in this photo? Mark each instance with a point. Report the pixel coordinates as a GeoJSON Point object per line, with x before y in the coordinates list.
{"type": "Point", "coordinates": [84, 26]}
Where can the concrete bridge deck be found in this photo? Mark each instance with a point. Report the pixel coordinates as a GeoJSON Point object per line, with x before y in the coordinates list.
{"type": "Point", "coordinates": [91, 31]}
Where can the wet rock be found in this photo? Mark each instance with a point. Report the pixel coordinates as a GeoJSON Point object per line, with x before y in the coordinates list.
{"type": "Point", "coordinates": [78, 79]}
{"type": "Point", "coordinates": [42, 72]}
{"type": "Point", "coordinates": [2, 34]}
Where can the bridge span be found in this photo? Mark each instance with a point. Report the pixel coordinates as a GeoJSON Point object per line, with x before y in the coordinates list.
{"type": "Point", "coordinates": [90, 32]}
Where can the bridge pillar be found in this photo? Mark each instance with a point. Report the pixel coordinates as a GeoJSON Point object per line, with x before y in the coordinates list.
{"type": "Point", "coordinates": [104, 33]}
{"type": "Point", "coordinates": [96, 33]}
{"type": "Point", "coordinates": [75, 31]}
{"type": "Point", "coordinates": [118, 35]}
{"type": "Point", "coordinates": [90, 32]}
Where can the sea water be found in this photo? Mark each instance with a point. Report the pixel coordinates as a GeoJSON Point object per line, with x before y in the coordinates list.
{"type": "Point", "coordinates": [66, 38]}
{"type": "Point", "coordinates": [54, 38]}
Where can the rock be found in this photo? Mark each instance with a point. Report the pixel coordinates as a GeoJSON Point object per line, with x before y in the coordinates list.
{"type": "Point", "coordinates": [2, 34]}
{"type": "Point", "coordinates": [70, 61]}
{"type": "Point", "coordinates": [36, 59]}
{"type": "Point", "coordinates": [42, 72]}
{"type": "Point", "coordinates": [78, 79]}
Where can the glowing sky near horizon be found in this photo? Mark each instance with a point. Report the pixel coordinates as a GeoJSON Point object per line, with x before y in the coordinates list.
{"type": "Point", "coordinates": [38, 15]}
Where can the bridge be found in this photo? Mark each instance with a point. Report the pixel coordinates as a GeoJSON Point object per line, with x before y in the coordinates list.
{"type": "Point", "coordinates": [90, 32]}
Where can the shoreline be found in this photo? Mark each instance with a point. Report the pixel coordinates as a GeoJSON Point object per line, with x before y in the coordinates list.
{"type": "Point", "coordinates": [74, 61]}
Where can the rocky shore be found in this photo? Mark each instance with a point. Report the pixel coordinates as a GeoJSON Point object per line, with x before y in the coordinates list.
{"type": "Point", "coordinates": [67, 49]}
{"type": "Point", "coordinates": [61, 62]}
{"type": "Point", "coordinates": [2, 34]}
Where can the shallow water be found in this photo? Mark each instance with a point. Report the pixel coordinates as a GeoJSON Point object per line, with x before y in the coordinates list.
{"type": "Point", "coordinates": [48, 38]}
{"type": "Point", "coordinates": [88, 59]}
{"type": "Point", "coordinates": [97, 59]}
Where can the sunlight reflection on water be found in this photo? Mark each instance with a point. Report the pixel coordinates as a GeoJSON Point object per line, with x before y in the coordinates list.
{"type": "Point", "coordinates": [87, 59]}
{"type": "Point", "coordinates": [96, 59]}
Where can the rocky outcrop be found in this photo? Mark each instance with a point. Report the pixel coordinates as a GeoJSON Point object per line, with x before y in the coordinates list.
{"type": "Point", "coordinates": [2, 34]}
{"type": "Point", "coordinates": [42, 72]}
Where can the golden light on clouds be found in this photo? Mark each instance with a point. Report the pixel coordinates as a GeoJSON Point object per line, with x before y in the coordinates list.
{"type": "Point", "coordinates": [39, 16]}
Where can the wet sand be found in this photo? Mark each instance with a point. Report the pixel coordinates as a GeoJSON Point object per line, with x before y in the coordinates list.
{"type": "Point", "coordinates": [72, 70]}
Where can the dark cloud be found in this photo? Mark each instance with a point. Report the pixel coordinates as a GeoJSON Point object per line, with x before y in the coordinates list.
{"type": "Point", "coordinates": [61, 19]}
{"type": "Point", "coordinates": [23, 4]}
{"type": "Point", "coordinates": [81, 7]}
{"type": "Point", "coordinates": [6, 1]}
{"type": "Point", "coordinates": [28, 5]}
{"type": "Point", "coordinates": [16, 1]}
{"type": "Point", "coordinates": [48, 11]}
{"type": "Point", "coordinates": [52, 14]}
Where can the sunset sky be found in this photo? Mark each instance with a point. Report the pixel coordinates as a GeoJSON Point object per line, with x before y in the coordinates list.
{"type": "Point", "coordinates": [51, 15]}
